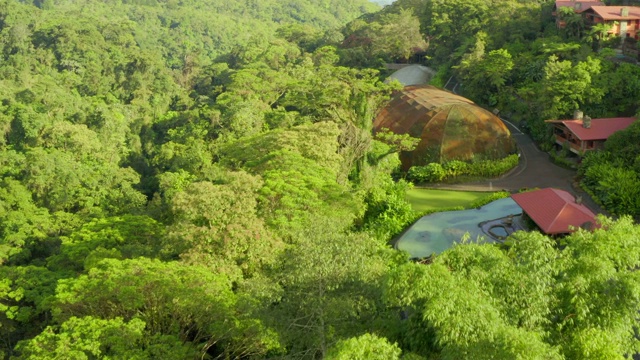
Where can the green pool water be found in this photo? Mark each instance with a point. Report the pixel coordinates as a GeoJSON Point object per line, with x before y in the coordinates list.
{"type": "Point", "coordinates": [437, 232]}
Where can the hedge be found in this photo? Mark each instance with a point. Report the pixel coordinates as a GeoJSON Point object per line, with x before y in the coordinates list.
{"type": "Point", "coordinates": [434, 172]}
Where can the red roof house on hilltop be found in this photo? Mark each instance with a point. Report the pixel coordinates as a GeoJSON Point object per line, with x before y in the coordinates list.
{"type": "Point", "coordinates": [583, 133]}
{"type": "Point", "coordinates": [624, 20]}
{"type": "Point", "coordinates": [555, 211]}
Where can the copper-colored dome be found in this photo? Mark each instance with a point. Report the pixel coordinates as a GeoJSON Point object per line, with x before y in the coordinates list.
{"type": "Point", "coordinates": [451, 127]}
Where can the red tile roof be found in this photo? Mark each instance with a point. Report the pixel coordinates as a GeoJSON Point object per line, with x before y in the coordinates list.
{"type": "Point", "coordinates": [554, 210]}
{"type": "Point", "coordinates": [614, 12]}
{"type": "Point", "coordinates": [581, 5]}
{"type": "Point", "coordinates": [600, 129]}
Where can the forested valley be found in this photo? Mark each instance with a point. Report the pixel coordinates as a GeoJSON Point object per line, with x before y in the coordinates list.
{"type": "Point", "coordinates": [199, 179]}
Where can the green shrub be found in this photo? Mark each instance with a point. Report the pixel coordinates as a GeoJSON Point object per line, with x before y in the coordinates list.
{"type": "Point", "coordinates": [432, 172]}
{"type": "Point", "coordinates": [493, 168]}
{"type": "Point", "coordinates": [592, 158]}
{"type": "Point", "coordinates": [441, 76]}
{"type": "Point", "coordinates": [561, 160]}
{"type": "Point", "coordinates": [616, 188]}
{"type": "Point", "coordinates": [456, 168]}
{"type": "Point", "coordinates": [625, 144]}
{"type": "Point", "coordinates": [388, 213]}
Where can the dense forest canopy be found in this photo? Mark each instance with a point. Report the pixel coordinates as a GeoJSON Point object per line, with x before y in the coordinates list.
{"type": "Point", "coordinates": [199, 179]}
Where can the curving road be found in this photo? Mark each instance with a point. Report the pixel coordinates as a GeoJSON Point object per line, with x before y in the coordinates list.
{"type": "Point", "coordinates": [535, 169]}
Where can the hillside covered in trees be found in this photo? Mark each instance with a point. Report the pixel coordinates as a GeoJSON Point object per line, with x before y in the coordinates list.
{"type": "Point", "coordinates": [199, 179]}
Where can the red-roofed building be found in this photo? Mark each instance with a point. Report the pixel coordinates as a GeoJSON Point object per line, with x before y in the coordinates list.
{"type": "Point", "coordinates": [623, 20]}
{"type": "Point", "coordinates": [577, 6]}
{"type": "Point", "coordinates": [584, 134]}
{"type": "Point", "coordinates": [555, 211]}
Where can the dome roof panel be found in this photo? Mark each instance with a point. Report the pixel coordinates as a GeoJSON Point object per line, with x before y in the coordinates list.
{"type": "Point", "coordinates": [449, 126]}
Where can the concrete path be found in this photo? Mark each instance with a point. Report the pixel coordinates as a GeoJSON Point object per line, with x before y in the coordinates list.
{"type": "Point", "coordinates": [535, 170]}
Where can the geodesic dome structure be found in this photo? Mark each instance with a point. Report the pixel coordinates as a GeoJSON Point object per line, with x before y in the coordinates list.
{"type": "Point", "coordinates": [450, 126]}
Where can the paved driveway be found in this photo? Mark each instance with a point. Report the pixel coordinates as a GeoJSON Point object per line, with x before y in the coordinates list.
{"type": "Point", "coordinates": [535, 169]}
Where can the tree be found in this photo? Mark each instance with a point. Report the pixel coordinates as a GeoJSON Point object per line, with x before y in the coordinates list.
{"type": "Point", "coordinates": [574, 23]}
{"type": "Point", "coordinates": [181, 301]}
{"type": "Point", "coordinates": [624, 145]}
{"type": "Point", "coordinates": [25, 302]}
{"type": "Point", "coordinates": [363, 347]}
{"type": "Point", "coordinates": [598, 33]}
{"type": "Point", "coordinates": [89, 337]}
{"type": "Point", "coordinates": [305, 36]}
{"type": "Point", "coordinates": [621, 91]}
{"type": "Point", "coordinates": [399, 36]}
{"type": "Point", "coordinates": [387, 211]}
{"type": "Point", "coordinates": [217, 225]}
{"type": "Point", "coordinates": [120, 237]}
{"type": "Point", "coordinates": [23, 224]}
{"type": "Point", "coordinates": [60, 182]}
{"type": "Point", "coordinates": [496, 67]}
{"type": "Point", "coordinates": [599, 268]}
{"type": "Point", "coordinates": [392, 36]}
{"type": "Point", "coordinates": [111, 125]}
{"type": "Point", "coordinates": [568, 86]}
{"type": "Point", "coordinates": [616, 187]}
{"type": "Point", "coordinates": [329, 287]}
{"type": "Point", "coordinates": [613, 175]}
{"type": "Point", "coordinates": [449, 23]}
{"type": "Point", "coordinates": [397, 143]}
{"type": "Point", "coordinates": [484, 75]}
{"type": "Point", "coordinates": [532, 300]}
{"type": "Point", "coordinates": [300, 181]}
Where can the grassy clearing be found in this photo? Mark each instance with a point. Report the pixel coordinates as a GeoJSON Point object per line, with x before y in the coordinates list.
{"type": "Point", "coordinates": [429, 199]}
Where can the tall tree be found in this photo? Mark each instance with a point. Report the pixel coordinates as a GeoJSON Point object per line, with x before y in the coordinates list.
{"type": "Point", "coordinates": [330, 287]}
{"type": "Point", "coordinates": [23, 224]}
{"type": "Point", "coordinates": [216, 225]}
{"type": "Point", "coordinates": [573, 22]}
{"type": "Point", "coordinates": [88, 337]}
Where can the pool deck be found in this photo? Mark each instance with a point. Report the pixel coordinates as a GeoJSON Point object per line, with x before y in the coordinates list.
{"type": "Point", "coordinates": [437, 232]}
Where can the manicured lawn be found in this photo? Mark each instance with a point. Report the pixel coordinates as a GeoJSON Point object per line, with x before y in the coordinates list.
{"type": "Point", "coordinates": [428, 199]}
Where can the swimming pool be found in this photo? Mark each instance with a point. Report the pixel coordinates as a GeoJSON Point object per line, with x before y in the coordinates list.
{"type": "Point", "coordinates": [437, 232]}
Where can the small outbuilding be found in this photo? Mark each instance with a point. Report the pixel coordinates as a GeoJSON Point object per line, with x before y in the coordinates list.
{"type": "Point", "coordinates": [449, 126]}
{"type": "Point", "coordinates": [555, 211]}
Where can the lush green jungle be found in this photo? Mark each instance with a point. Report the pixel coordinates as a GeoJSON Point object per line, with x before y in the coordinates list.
{"type": "Point", "coordinates": [199, 179]}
